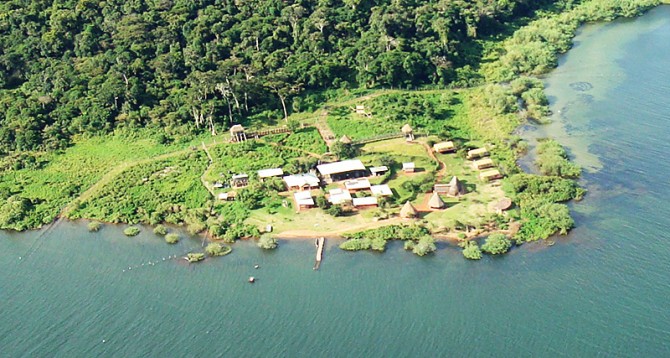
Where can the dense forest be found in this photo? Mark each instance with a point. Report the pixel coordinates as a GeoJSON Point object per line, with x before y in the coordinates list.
{"type": "Point", "coordinates": [87, 66]}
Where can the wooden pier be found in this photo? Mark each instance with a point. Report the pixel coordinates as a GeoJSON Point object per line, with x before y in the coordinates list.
{"type": "Point", "coordinates": [319, 251]}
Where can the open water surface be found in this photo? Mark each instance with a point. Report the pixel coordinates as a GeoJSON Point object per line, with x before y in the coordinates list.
{"type": "Point", "coordinates": [601, 291]}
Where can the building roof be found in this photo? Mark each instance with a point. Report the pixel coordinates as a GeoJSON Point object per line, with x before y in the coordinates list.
{"type": "Point", "coordinates": [493, 173]}
{"type": "Point", "coordinates": [406, 128]}
{"type": "Point", "coordinates": [303, 198]}
{"type": "Point", "coordinates": [479, 152]}
{"type": "Point", "coordinates": [236, 128]}
{"type": "Point", "coordinates": [408, 211]}
{"type": "Point", "coordinates": [267, 173]}
{"type": "Point", "coordinates": [483, 163]}
{"type": "Point", "coordinates": [441, 188]}
{"type": "Point", "coordinates": [503, 204]}
{"type": "Point", "coordinates": [339, 196]}
{"type": "Point", "coordinates": [409, 165]}
{"type": "Point", "coordinates": [301, 180]}
{"type": "Point", "coordinates": [443, 146]}
{"type": "Point", "coordinates": [228, 195]}
{"type": "Point", "coordinates": [345, 140]}
{"type": "Point", "coordinates": [456, 187]}
{"type": "Point", "coordinates": [436, 202]}
{"type": "Point", "coordinates": [340, 167]}
{"type": "Point", "coordinates": [240, 176]}
{"type": "Point", "coordinates": [357, 184]}
{"type": "Point", "coordinates": [380, 169]}
{"type": "Point", "coordinates": [381, 190]}
{"type": "Point", "coordinates": [366, 201]}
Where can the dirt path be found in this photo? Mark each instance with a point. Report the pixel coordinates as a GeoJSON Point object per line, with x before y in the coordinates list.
{"type": "Point", "coordinates": [326, 133]}
{"type": "Point", "coordinates": [442, 168]}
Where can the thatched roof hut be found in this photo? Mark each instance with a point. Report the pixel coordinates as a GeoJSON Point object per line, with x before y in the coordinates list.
{"type": "Point", "coordinates": [503, 204]}
{"type": "Point", "coordinates": [436, 202]}
{"type": "Point", "coordinates": [407, 129]}
{"type": "Point", "coordinates": [408, 211]}
{"type": "Point", "coordinates": [456, 187]}
{"type": "Point", "coordinates": [345, 140]}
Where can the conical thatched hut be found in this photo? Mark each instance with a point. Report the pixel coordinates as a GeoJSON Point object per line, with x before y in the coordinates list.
{"type": "Point", "coordinates": [436, 202]}
{"type": "Point", "coordinates": [408, 132]}
{"type": "Point", "coordinates": [408, 211]}
{"type": "Point", "coordinates": [345, 140]}
{"type": "Point", "coordinates": [456, 188]}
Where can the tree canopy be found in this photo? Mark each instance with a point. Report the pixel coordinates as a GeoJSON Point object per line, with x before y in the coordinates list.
{"type": "Point", "coordinates": [70, 67]}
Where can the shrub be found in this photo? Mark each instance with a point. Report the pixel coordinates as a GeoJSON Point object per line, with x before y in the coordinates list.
{"type": "Point", "coordinates": [94, 226]}
{"type": "Point", "coordinates": [195, 256]}
{"type": "Point", "coordinates": [409, 245]}
{"type": "Point", "coordinates": [160, 230]}
{"type": "Point", "coordinates": [335, 210]}
{"type": "Point", "coordinates": [496, 244]}
{"type": "Point", "coordinates": [267, 242]}
{"type": "Point", "coordinates": [424, 246]}
{"type": "Point", "coordinates": [322, 202]}
{"type": "Point", "coordinates": [131, 231]}
{"type": "Point", "coordinates": [471, 251]}
{"type": "Point", "coordinates": [172, 238]}
{"type": "Point", "coordinates": [378, 244]}
{"type": "Point", "coordinates": [216, 249]}
{"type": "Point", "coordinates": [552, 159]}
{"type": "Point", "coordinates": [356, 244]}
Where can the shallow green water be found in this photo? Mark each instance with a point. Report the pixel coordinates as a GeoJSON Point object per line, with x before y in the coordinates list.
{"type": "Point", "coordinates": [602, 291]}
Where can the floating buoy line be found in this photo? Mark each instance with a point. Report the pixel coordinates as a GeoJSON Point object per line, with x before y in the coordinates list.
{"type": "Point", "coordinates": [151, 263]}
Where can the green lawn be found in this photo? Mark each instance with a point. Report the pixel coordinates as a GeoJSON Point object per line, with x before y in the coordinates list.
{"type": "Point", "coordinates": [67, 174]}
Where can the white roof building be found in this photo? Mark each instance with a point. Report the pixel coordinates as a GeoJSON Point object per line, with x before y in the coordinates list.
{"type": "Point", "coordinates": [377, 170]}
{"type": "Point", "coordinates": [267, 173]}
{"type": "Point", "coordinates": [408, 166]}
{"type": "Point", "coordinates": [366, 201]}
{"type": "Point", "coordinates": [381, 190]}
{"type": "Point", "coordinates": [303, 198]}
{"type": "Point", "coordinates": [357, 184]}
{"type": "Point", "coordinates": [340, 167]}
{"type": "Point", "coordinates": [302, 180]}
{"type": "Point", "coordinates": [339, 196]}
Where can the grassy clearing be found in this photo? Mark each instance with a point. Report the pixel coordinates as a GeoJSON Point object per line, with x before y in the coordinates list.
{"type": "Point", "coordinates": [248, 157]}
{"type": "Point", "coordinates": [307, 139]}
{"type": "Point", "coordinates": [162, 190]}
{"type": "Point", "coordinates": [59, 178]}
{"type": "Point", "coordinates": [426, 111]}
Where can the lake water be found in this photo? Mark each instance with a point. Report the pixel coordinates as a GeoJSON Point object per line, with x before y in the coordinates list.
{"type": "Point", "coordinates": [601, 291]}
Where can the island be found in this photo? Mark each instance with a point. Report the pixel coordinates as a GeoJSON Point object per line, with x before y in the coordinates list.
{"type": "Point", "coordinates": [370, 122]}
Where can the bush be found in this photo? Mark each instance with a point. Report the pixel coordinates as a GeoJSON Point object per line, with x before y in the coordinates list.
{"type": "Point", "coordinates": [471, 251]}
{"type": "Point", "coordinates": [356, 244]}
{"type": "Point", "coordinates": [216, 249]}
{"type": "Point", "coordinates": [131, 231]}
{"type": "Point", "coordinates": [552, 159]}
{"type": "Point", "coordinates": [424, 246]}
{"type": "Point", "coordinates": [496, 244]}
{"type": "Point", "coordinates": [160, 230]}
{"type": "Point", "coordinates": [378, 244]}
{"type": "Point", "coordinates": [94, 226]}
{"type": "Point", "coordinates": [267, 242]}
{"type": "Point", "coordinates": [335, 210]}
{"type": "Point", "coordinates": [409, 245]}
{"type": "Point", "coordinates": [172, 238]}
{"type": "Point", "coordinates": [322, 202]}
{"type": "Point", "coordinates": [195, 256]}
